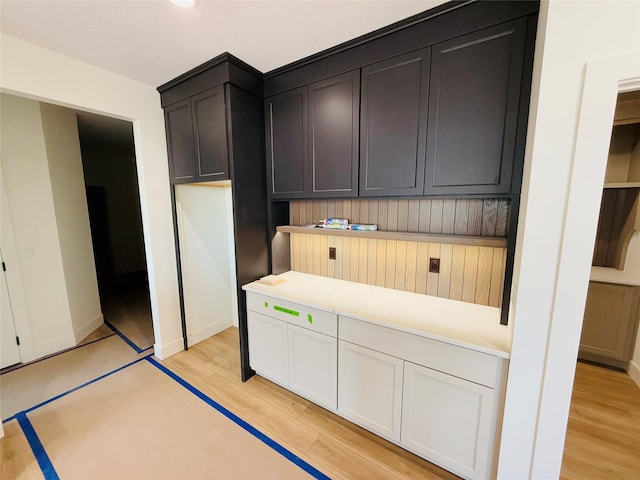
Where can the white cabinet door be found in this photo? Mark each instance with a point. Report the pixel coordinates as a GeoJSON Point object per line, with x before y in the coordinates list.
{"type": "Point", "coordinates": [370, 389]}
{"type": "Point", "coordinates": [313, 366]}
{"type": "Point", "coordinates": [448, 421]}
{"type": "Point", "coordinates": [268, 347]}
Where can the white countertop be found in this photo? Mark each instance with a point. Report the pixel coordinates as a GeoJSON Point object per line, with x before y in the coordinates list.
{"type": "Point", "coordinates": [631, 273]}
{"type": "Point", "coordinates": [468, 325]}
{"type": "Point", "coordinates": [611, 275]}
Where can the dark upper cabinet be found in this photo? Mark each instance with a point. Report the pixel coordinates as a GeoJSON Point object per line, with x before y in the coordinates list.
{"type": "Point", "coordinates": [473, 111]}
{"type": "Point", "coordinates": [334, 121]}
{"type": "Point", "coordinates": [312, 139]}
{"type": "Point", "coordinates": [286, 144]}
{"type": "Point", "coordinates": [210, 129]}
{"type": "Point", "coordinates": [197, 138]}
{"type": "Point", "coordinates": [180, 144]}
{"type": "Point", "coordinates": [394, 125]}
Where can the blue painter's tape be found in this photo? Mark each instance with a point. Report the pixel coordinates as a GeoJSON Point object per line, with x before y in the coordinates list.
{"type": "Point", "coordinates": [56, 354]}
{"type": "Point", "coordinates": [123, 337]}
{"type": "Point", "coordinates": [314, 472]}
{"type": "Point", "coordinates": [39, 452]}
{"type": "Point", "coordinates": [64, 394]}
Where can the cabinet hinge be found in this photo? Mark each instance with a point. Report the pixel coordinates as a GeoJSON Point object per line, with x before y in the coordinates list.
{"type": "Point", "coordinates": [4, 267]}
{"type": "Point", "coordinates": [18, 340]}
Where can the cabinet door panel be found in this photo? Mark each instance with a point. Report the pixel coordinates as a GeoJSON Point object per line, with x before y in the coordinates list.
{"type": "Point", "coordinates": [180, 144]}
{"type": "Point", "coordinates": [268, 347]}
{"type": "Point", "coordinates": [313, 366]}
{"type": "Point", "coordinates": [211, 134]}
{"type": "Point", "coordinates": [286, 139]}
{"type": "Point", "coordinates": [334, 121]}
{"type": "Point", "coordinates": [448, 420]}
{"type": "Point", "coordinates": [473, 111]}
{"type": "Point", "coordinates": [610, 322]}
{"type": "Point", "coordinates": [370, 389]}
{"type": "Point", "coordinates": [393, 119]}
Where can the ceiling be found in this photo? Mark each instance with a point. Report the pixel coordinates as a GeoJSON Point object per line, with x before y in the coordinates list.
{"type": "Point", "coordinates": [154, 41]}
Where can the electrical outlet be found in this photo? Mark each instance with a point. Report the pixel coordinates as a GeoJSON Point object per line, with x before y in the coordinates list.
{"type": "Point", "coordinates": [434, 265]}
{"type": "Point", "coordinates": [332, 253]}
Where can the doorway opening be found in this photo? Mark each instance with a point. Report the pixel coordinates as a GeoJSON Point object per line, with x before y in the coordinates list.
{"type": "Point", "coordinates": [113, 201]}
{"type": "Point", "coordinates": [601, 436]}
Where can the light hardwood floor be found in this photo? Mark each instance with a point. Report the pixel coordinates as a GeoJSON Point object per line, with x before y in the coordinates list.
{"type": "Point", "coordinates": [603, 437]}
{"type": "Point", "coordinates": [603, 434]}
{"type": "Point", "coordinates": [335, 446]}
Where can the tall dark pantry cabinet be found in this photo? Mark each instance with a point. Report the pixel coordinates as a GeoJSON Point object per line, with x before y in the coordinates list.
{"type": "Point", "coordinates": [215, 131]}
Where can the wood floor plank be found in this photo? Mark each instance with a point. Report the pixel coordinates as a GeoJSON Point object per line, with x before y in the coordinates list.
{"type": "Point", "coordinates": [603, 434]}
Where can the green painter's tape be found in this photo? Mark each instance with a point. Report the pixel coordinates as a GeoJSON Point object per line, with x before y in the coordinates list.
{"type": "Point", "coordinates": [286, 310]}
{"type": "Point", "coordinates": [309, 318]}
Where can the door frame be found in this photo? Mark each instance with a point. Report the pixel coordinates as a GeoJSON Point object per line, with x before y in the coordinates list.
{"type": "Point", "coordinates": [541, 423]}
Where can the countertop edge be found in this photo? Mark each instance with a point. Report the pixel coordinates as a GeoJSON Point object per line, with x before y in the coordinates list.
{"type": "Point", "coordinates": [421, 333]}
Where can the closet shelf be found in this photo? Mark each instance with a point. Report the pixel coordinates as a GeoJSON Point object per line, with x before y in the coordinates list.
{"type": "Point", "coordinates": [622, 185]}
{"type": "Point", "coordinates": [495, 242]}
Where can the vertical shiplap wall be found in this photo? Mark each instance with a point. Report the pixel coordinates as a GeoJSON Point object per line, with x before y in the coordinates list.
{"type": "Point", "coordinates": [467, 273]}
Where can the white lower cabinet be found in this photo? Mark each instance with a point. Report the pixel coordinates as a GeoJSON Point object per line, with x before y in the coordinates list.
{"type": "Point", "coordinates": [268, 347]}
{"type": "Point", "coordinates": [370, 389]}
{"type": "Point", "coordinates": [292, 345]}
{"type": "Point", "coordinates": [448, 420]}
{"type": "Point", "coordinates": [433, 398]}
{"type": "Point", "coordinates": [313, 366]}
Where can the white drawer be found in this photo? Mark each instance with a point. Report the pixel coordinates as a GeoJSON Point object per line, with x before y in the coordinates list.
{"type": "Point", "coordinates": [294, 313]}
{"type": "Point", "coordinates": [461, 362]}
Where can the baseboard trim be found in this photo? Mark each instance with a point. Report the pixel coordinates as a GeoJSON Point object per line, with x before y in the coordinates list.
{"type": "Point", "coordinates": [208, 331]}
{"type": "Point", "coordinates": [55, 345]}
{"type": "Point", "coordinates": [165, 351]}
{"type": "Point", "coordinates": [634, 372]}
{"type": "Point", "coordinates": [87, 328]}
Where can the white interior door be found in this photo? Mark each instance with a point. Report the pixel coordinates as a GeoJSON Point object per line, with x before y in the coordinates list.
{"type": "Point", "coordinates": [9, 354]}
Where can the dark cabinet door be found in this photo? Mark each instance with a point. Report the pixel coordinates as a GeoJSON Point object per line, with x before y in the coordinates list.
{"type": "Point", "coordinates": [180, 145]}
{"type": "Point", "coordinates": [286, 142]}
{"type": "Point", "coordinates": [210, 130]}
{"type": "Point", "coordinates": [393, 125]}
{"type": "Point", "coordinates": [334, 120]}
{"type": "Point", "coordinates": [473, 111]}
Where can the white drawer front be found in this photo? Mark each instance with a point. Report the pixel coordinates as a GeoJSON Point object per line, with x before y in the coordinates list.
{"type": "Point", "coordinates": [462, 362]}
{"type": "Point", "coordinates": [296, 314]}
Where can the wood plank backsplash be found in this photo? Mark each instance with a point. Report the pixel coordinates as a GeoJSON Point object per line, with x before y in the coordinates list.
{"type": "Point", "coordinates": [461, 216]}
{"type": "Point", "coordinates": [467, 273]}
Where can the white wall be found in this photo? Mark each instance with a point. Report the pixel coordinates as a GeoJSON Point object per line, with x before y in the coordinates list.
{"type": "Point", "coordinates": [557, 224]}
{"type": "Point", "coordinates": [26, 179]}
{"type": "Point", "coordinates": [60, 130]}
{"type": "Point", "coordinates": [32, 71]}
{"type": "Point", "coordinates": [205, 250]}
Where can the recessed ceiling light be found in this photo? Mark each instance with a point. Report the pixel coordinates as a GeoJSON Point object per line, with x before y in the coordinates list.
{"type": "Point", "coordinates": [184, 3]}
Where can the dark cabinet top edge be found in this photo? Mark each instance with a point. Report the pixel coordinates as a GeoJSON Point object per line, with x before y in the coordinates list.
{"type": "Point", "coordinates": [448, 21]}
{"type": "Point", "coordinates": [225, 57]}
{"type": "Point", "coordinates": [223, 69]}
{"type": "Point", "coordinates": [367, 37]}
